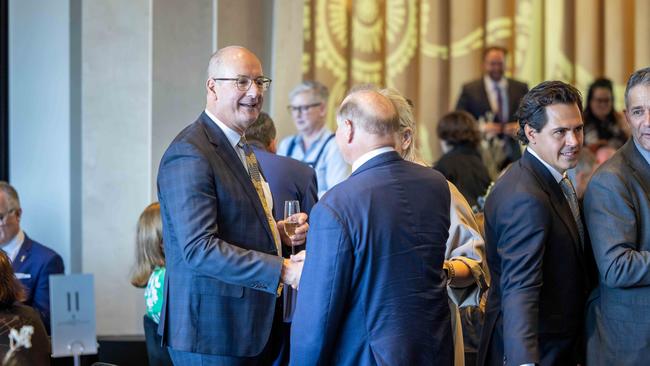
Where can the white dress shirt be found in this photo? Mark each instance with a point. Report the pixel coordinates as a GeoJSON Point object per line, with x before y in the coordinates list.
{"type": "Point", "coordinates": [13, 246]}
{"type": "Point", "coordinates": [557, 175]}
{"type": "Point", "coordinates": [490, 89]}
{"type": "Point", "coordinates": [369, 155]}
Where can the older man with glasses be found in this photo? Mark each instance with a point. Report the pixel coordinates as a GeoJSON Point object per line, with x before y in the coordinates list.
{"type": "Point", "coordinates": [225, 270]}
{"type": "Point", "coordinates": [33, 263]}
{"type": "Point", "coordinates": [314, 143]}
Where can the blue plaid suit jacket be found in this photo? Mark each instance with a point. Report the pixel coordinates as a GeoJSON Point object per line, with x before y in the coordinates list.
{"type": "Point", "coordinates": [222, 265]}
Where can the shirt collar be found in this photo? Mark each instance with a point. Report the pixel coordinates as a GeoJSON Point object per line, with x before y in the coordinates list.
{"type": "Point", "coordinates": [645, 153]}
{"type": "Point", "coordinates": [13, 247]}
{"type": "Point", "coordinates": [232, 135]}
{"type": "Point", "coordinates": [503, 83]}
{"type": "Point", "coordinates": [557, 175]}
{"type": "Point", "coordinates": [369, 155]}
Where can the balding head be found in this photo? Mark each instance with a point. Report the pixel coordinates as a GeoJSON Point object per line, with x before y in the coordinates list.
{"type": "Point", "coordinates": [223, 59]}
{"type": "Point", "coordinates": [233, 104]}
{"type": "Point", "coordinates": [371, 111]}
{"type": "Point", "coordinates": [367, 120]}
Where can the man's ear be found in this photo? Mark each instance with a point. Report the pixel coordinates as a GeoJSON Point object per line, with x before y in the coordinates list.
{"type": "Point", "coordinates": [407, 138]}
{"type": "Point", "coordinates": [627, 119]}
{"type": "Point", "coordinates": [210, 88]}
{"type": "Point", "coordinates": [530, 133]}
{"type": "Point", "coordinates": [349, 130]}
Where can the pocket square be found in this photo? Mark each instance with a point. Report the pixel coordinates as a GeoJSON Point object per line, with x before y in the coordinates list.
{"type": "Point", "coordinates": [23, 276]}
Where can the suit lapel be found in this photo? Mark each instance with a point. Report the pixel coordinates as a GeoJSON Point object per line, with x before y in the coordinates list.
{"type": "Point", "coordinates": [223, 148]}
{"type": "Point", "coordinates": [512, 102]}
{"type": "Point", "coordinates": [557, 199]}
{"type": "Point", "coordinates": [637, 164]}
{"type": "Point", "coordinates": [483, 97]}
{"type": "Point", "coordinates": [23, 255]}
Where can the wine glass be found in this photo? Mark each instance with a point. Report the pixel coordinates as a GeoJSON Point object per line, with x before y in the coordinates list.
{"type": "Point", "coordinates": [291, 210]}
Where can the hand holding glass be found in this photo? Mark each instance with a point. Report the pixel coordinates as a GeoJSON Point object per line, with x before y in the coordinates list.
{"type": "Point", "coordinates": [291, 209]}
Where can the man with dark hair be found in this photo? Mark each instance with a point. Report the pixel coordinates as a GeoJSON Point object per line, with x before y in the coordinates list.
{"type": "Point", "coordinates": [494, 98]}
{"type": "Point", "coordinates": [373, 290]}
{"type": "Point", "coordinates": [617, 209]}
{"type": "Point", "coordinates": [535, 240]}
{"type": "Point", "coordinates": [33, 263]}
{"type": "Point", "coordinates": [289, 179]}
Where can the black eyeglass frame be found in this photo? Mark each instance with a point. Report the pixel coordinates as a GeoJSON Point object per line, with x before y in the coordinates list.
{"type": "Point", "coordinates": [302, 108]}
{"type": "Point", "coordinates": [262, 82]}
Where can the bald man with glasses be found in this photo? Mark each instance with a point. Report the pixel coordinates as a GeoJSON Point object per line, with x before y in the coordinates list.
{"type": "Point", "coordinates": [225, 271]}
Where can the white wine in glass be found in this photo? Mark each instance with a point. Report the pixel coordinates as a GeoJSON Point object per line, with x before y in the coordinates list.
{"type": "Point", "coordinates": [291, 211]}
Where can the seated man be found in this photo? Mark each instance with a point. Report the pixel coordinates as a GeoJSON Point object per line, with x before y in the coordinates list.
{"type": "Point", "coordinates": [33, 263]}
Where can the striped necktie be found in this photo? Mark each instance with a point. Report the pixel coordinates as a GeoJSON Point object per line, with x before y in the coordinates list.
{"type": "Point", "coordinates": [570, 194]}
{"type": "Point", "coordinates": [256, 178]}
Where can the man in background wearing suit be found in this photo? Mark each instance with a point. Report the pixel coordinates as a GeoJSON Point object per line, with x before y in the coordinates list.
{"type": "Point", "coordinates": [222, 246]}
{"type": "Point", "coordinates": [33, 263]}
{"type": "Point", "coordinates": [535, 240]}
{"type": "Point", "coordinates": [617, 209]}
{"type": "Point", "coordinates": [289, 179]}
{"type": "Point", "coordinates": [495, 99]}
{"type": "Point", "coordinates": [373, 289]}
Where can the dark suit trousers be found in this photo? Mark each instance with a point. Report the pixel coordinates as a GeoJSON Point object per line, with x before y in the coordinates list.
{"type": "Point", "coordinates": [554, 350]}
{"type": "Point", "coordinates": [272, 352]}
{"type": "Point", "coordinates": [157, 355]}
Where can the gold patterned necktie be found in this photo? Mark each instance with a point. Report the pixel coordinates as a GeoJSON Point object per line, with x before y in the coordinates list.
{"type": "Point", "coordinates": [570, 194]}
{"type": "Point", "coordinates": [256, 178]}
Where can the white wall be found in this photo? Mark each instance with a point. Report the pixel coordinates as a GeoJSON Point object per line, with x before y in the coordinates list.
{"type": "Point", "coordinates": [39, 119]}
{"type": "Point", "coordinates": [116, 164]}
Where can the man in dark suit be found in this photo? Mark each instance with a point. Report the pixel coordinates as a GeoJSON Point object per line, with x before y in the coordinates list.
{"type": "Point", "coordinates": [495, 99]}
{"type": "Point", "coordinates": [373, 289]}
{"type": "Point", "coordinates": [33, 263]}
{"type": "Point", "coordinates": [535, 240]}
{"type": "Point", "coordinates": [222, 245]}
{"type": "Point", "coordinates": [617, 209]}
{"type": "Point", "coordinates": [289, 179]}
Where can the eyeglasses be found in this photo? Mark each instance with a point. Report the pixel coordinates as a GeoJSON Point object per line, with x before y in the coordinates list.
{"type": "Point", "coordinates": [243, 82]}
{"type": "Point", "coordinates": [5, 216]}
{"type": "Point", "coordinates": [302, 108]}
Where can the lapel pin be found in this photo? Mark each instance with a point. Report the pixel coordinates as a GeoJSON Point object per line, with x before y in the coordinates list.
{"type": "Point", "coordinates": [22, 258]}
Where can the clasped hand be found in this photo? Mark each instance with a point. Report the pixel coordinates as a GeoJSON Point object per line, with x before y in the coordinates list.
{"type": "Point", "coordinates": [292, 269]}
